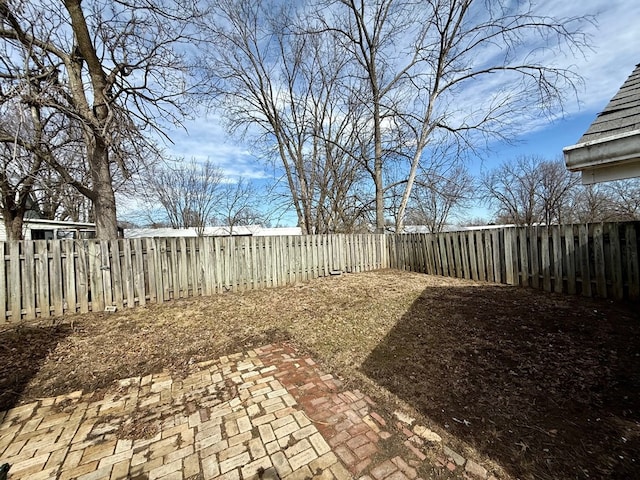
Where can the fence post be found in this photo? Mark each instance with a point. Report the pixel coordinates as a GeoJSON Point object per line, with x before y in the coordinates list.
{"type": "Point", "coordinates": [42, 276]}
{"type": "Point", "coordinates": [511, 258]}
{"type": "Point", "coordinates": [3, 283]}
{"type": "Point", "coordinates": [557, 258]}
{"type": "Point", "coordinates": [55, 275]}
{"type": "Point", "coordinates": [598, 257]}
{"type": "Point", "coordinates": [82, 277]}
{"type": "Point", "coordinates": [615, 261]}
{"type": "Point", "coordinates": [633, 274]}
{"type": "Point", "coordinates": [545, 259]}
{"type": "Point", "coordinates": [116, 272]}
{"type": "Point", "coordinates": [524, 256]}
{"type": "Point", "coordinates": [570, 251]}
{"type": "Point", "coordinates": [585, 273]}
{"type": "Point", "coordinates": [481, 262]}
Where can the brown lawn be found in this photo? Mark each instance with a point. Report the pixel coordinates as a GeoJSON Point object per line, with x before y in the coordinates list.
{"type": "Point", "coordinates": [546, 386]}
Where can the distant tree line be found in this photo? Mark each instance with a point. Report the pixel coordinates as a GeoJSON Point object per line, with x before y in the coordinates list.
{"type": "Point", "coordinates": [532, 190]}
{"type": "Point", "coordinates": [527, 190]}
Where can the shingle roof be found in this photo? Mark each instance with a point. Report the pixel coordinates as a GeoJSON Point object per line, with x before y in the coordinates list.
{"type": "Point", "coordinates": [621, 115]}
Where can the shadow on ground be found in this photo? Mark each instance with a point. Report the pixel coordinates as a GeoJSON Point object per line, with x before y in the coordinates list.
{"type": "Point", "coordinates": [23, 350]}
{"type": "Point", "coordinates": [547, 386]}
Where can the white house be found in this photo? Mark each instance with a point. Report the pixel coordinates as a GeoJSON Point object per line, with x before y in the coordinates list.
{"type": "Point", "coordinates": [38, 229]}
{"type": "Point", "coordinates": [223, 231]}
{"type": "Point", "coordinates": [610, 148]}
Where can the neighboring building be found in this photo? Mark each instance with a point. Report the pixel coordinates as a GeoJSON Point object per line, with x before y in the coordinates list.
{"type": "Point", "coordinates": [451, 228]}
{"type": "Point", "coordinates": [225, 231]}
{"type": "Point", "coordinates": [38, 229]}
{"type": "Point", "coordinates": [610, 148]}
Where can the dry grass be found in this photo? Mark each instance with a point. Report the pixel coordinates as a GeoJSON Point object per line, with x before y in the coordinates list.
{"type": "Point", "coordinates": [339, 319]}
{"type": "Point", "coordinates": [446, 348]}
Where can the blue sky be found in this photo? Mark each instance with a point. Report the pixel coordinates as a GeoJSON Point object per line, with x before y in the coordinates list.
{"type": "Point", "coordinates": [615, 42]}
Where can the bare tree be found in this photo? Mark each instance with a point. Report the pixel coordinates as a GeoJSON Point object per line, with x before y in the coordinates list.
{"type": "Point", "coordinates": [19, 170]}
{"type": "Point", "coordinates": [239, 205]}
{"type": "Point", "coordinates": [416, 61]}
{"type": "Point", "coordinates": [438, 195]}
{"type": "Point", "coordinates": [110, 68]}
{"type": "Point", "coordinates": [625, 198]}
{"type": "Point", "coordinates": [589, 203]}
{"type": "Point", "coordinates": [189, 192]}
{"type": "Point", "coordinates": [555, 187]}
{"type": "Point", "coordinates": [57, 200]}
{"type": "Point", "coordinates": [529, 190]}
{"type": "Point", "coordinates": [282, 88]}
{"type": "Point", "coordinates": [606, 202]}
{"type": "Point", "coordinates": [511, 189]}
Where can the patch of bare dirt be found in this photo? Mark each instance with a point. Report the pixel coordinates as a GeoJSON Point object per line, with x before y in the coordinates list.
{"type": "Point", "coordinates": [544, 385]}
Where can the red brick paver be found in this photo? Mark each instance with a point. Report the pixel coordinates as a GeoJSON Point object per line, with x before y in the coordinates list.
{"type": "Point", "coordinates": [269, 413]}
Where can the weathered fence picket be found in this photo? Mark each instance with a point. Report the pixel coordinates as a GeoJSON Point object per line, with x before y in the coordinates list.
{"type": "Point", "coordinates": [591, 259]}
{"type": "Point", "coordinates": [44, 278]}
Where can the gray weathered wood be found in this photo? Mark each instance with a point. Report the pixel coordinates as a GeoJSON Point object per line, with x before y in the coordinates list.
{"type": "Point", "coordinates": [29, 280]}
{"type": "Point", "coordinates": [42, 277]}
{"type": "Point", "coordinates": [58, 277]}
{"type": "Point", "coordinates": [128, 278]}
{"type": "Point", "coordinates": [69, 268]}
{"type": "Point", "coordinates": [152, 268]}
{"type": "Point", "coordinates": [139, 280]}
{"type": "Point", "coordinates": [633, 270]}
{"type": "Point", "coordinates": [482, 262]}
{"type": "Point", "coordinates": [497, 258]}
{"type": "Point", "coordinates": [105, 267]}
{"type": "Point", "coordinates": [585, 272]}
{"type": "Point", "coordinates": [509, 256]}
{"type": "Point", "coordinates": [534, 265]}
{"type": "Point", "coordinates": [556, 245]}
{"type": "Point", "coordinates": [615, 261]}
{"type": "Point", "coordinates": [182, 266]}
{"type": "Point", "coordinates": [488, 240]}
{"type": "Point", "coordinates": [599, 260]}
{"type": "Point", "coordinates": [116, 274]}
{"type": "Point", "coordinates": [3, 285]}
{"type": "Point", "coordinates": [95, 273]}
{"type": "Point", "coordinates": [83, 281]}
{"type": "Point", "coordinates": [523, 241]}
{"type": "Point", "coordinates": [545, 258]}
{"type": "Point", "coordinates": [55, 277]}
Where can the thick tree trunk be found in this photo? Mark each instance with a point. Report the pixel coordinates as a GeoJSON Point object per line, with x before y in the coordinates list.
{"type": "Point", "coordinates": [13, 226]}
{"type": "Point", "coordinates": [104, 200]}
{"type": "Point", "coordinates": [102, 193]}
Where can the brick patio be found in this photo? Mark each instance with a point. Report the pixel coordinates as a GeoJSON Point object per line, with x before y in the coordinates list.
{"type": "Point", "coordinates": [268, 413]}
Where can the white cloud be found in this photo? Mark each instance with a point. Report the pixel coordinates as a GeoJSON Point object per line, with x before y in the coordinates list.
{"type": "Point", "coordinates": [613, 53]}
{"type": "Point", "coordinates": [614, 39]}
{"type": "Point", "coordinates": [205, 138]}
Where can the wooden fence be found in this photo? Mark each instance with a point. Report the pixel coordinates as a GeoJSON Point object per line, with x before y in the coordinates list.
{"type": "Point", "coordinates": [599, 259]}
{"type": "Point", "coordinates": [52, 278]}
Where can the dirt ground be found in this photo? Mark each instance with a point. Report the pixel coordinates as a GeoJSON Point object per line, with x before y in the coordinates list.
{"type": "Point", "coordinates": [546, 386]}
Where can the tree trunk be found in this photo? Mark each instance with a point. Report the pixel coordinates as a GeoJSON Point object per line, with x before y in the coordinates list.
{"type": "Point", "coordinates": [104, 199]}
{"type": "Point", "coordinates": [102, 193]}
{"type": "Point", "coordinates": [377, 167]}
{"type": "Point", "coordinates": [13, 226]}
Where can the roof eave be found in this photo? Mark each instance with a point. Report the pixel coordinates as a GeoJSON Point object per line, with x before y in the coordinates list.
{"type": "Point", "coordinates": [607, 158]}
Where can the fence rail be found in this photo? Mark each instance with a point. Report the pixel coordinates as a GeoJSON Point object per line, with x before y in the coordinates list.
{"type": "Point", "coordinates": [599, 259]}
{"type": "Point", "coordinates": [51, 278]}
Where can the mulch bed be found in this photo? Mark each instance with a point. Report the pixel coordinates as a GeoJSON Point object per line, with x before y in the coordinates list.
{"type": "Point", "coordinates": [547, 386]}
